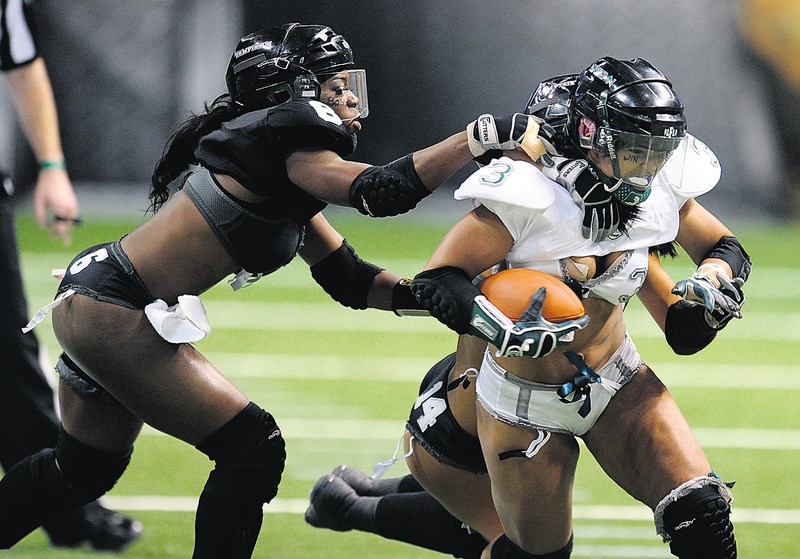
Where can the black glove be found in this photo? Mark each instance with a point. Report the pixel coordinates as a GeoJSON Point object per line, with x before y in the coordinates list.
{"type": "Point", "coordinates": [601, 217]}
{"type": "Point", "coordinates": [489, 135]}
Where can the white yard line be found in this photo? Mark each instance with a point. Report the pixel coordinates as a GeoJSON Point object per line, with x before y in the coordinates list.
{"type": "Point", "coordinates": [392, 430]}
{"type": "Point", "coordinates": [581, 512]}
{"type": "Point", "coordinates": [380, 368]}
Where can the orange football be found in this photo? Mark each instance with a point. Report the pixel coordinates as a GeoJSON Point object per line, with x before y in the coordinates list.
{"type": "Point", "coordinates": [511, 292]}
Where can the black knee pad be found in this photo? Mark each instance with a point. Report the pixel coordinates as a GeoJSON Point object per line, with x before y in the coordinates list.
{"type": "Point", "coordinates": [699, 527]}
{"type": "Point", "coordinates": [90, 473]}
{"type": "Point", "coordinates": [250, 454]}
{"type": "Point", "coordinates": [504, 548]}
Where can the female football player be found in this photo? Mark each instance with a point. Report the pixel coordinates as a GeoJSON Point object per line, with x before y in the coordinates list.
{"type": "Point", "coordinates": [635, 187]}
{"type": "Point", "coordinates": [268, 158]}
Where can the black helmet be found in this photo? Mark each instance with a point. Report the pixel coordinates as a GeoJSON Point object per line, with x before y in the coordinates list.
{"type": "Point", "coordinates": [626, 104]}
{"type": "Point", "coordinates": [550, 102]}
{"type": "Point", "coordinates": [273, 65]}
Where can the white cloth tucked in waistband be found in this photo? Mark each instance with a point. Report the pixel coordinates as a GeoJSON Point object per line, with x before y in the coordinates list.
{"type": "Point", "coordinates": [183, 322]}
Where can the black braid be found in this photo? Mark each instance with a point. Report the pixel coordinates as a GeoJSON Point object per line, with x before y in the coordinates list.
{"type": "Point", "coordinates": [179, 150]}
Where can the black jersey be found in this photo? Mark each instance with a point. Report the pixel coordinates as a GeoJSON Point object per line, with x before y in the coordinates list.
{"type": "Point", "coordinates": [252, 149]}
{"type": "Point", "coordinates": [17, 35]}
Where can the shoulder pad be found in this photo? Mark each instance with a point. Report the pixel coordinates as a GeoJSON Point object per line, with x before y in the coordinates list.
{"type": "Point", "coordinates": [693, 170]}
{"type": "Point", "coordinates": [505, 180]}
{"type": "Point", "coordinates": [309, 124]}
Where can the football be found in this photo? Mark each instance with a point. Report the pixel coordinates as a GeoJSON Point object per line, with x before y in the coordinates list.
{"type": "Point", "coordinates": [511, 292]}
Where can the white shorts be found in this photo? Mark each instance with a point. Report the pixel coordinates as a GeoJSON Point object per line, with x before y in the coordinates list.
{"type": "Point", "coordinates": [534, 405]}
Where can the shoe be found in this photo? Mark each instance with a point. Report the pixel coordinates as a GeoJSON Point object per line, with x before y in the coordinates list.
{"type": "Point", "coordinates": [330, 500]}
{"type": "Point", "coordinates": [103, 529]}
{"type": "Point", "coordinates": [355, 478]}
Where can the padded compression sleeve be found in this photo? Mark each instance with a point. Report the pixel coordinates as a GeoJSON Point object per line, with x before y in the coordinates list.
{"type": "Point", "coordinates": [389, 190]}
{"type": "Point", "coordinates": [686, 329]}
{"type": "Point", "coordinates": [731, 251]}
{"type": "Point", "coordinates": [345, 276]}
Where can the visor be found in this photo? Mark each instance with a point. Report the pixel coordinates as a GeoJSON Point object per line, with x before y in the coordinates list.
{"type": "Point", "coordinates": [637, 158]}
{"type": "Point", "coordinates": [358, 85]}
{"type": "Point", "coordinates": [353, 82]}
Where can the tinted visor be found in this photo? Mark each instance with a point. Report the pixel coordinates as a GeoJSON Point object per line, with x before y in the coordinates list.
{"type": "Point", "coordinates": [637, 158]}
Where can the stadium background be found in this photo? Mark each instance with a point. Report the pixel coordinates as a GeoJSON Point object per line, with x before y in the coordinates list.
{"type": "Point", "coordinates": [125, 73]}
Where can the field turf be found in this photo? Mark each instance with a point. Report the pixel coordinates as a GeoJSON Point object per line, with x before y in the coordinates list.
{"type": "Point", "coordinates": [340, 383]}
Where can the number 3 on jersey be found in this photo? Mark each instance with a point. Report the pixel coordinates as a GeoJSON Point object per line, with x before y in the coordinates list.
{"type": "Point", "coordinates": [431, 407]}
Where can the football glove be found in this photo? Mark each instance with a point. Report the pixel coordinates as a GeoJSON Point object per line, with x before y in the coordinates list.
{"type": "Point", "coordinates": [488, 136]}
{"type": "Point", "coordinates": [530, 336]}
{"type": "Point", "coordinates": [722, 303]}
{"type": "Point", "coordinates": [601, 217]}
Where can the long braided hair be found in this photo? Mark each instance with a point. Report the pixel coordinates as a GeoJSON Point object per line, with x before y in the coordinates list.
{"type": "Point", "coordinates": [178, 152]}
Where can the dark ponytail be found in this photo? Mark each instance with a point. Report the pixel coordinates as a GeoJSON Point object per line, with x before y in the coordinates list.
{"type": "Point", "coordinates": [179, 151]}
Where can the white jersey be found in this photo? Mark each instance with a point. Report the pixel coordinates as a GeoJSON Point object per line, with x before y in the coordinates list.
{"type": "Point", "coordinates": [546, 223]}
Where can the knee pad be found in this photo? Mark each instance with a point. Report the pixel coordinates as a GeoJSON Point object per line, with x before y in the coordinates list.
{"type": "Point", "coordinates": [695, 520]}
{"type": "Point", "coordinates": [250, 454]}
{"type": "Point", "coordinates": [504, 548]}
{"type": "Point", "coordinates": [89, 473]}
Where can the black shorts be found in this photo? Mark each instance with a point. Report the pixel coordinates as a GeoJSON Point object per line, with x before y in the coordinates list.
{"type": "Point", "coordinates": [433, 426]}
{"type": "Point", "coordinates": [102, 272]}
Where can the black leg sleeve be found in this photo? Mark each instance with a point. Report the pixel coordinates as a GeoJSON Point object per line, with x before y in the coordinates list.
{"type": "Point", "coordinates": [419, 519]}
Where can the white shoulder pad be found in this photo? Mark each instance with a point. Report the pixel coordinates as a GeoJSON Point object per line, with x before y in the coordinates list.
{"type": "Point", "coordinates": [508, 181]}
{"type": "Point", "coordinates": [693, 170]}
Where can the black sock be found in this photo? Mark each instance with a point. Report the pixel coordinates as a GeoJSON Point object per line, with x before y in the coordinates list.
{"type": "Point", "coordinates": [419, 519]}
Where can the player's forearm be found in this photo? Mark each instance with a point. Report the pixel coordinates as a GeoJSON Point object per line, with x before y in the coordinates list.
{"type": "Point", "coordinates": [437, 163]}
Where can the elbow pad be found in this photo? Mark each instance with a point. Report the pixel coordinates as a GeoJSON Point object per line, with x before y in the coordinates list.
{"type": "Point", "coordinates": [392, 189]}
{"type": "Point", "coordinates": [448, 294]}
{"type": "Point", "coordinates": [732, 252]}
{"type": "Point", "coordinates": [345, 277]}
{"type": "Point", "coordinates": [686, 329]}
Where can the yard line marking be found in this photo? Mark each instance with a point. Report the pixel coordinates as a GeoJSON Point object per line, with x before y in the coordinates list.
{"type": "Point", "coordinates": [411, 369]}
{"type": "Point", "coordinates": [580, 512]}
{"type": "Point", "coordinates": [761, 285]}
{"type": "Point", "coordinates": [620, 551]}
{"type": "Point", "coordinates": [292, 316]}
{"type": "Point", "coordinates": [392, 430]}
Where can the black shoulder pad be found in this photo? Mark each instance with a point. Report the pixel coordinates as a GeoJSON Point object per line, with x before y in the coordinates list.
{"type": "Point", "coordinates": [310, 124]}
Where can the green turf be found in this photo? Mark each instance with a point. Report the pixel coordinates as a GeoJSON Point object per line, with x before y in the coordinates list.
{"type": "Point", "coordinates": [351, 407]}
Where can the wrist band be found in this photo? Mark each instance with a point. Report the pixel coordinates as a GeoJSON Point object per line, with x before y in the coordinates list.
{"type": "Point", "coordinates": [52, 164]}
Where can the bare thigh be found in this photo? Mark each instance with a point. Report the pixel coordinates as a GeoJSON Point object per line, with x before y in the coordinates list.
{"type": "Point", "coordinates": [533, 496]}
{"type": "Point", "coordinates": [643, 442]}
{"type": "Point", "coordinates": [465, 495]}
{"type": "Point", "coordinates": [172, 387]}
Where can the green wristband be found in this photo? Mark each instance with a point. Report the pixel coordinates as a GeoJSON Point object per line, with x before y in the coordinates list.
{"type": "Point", "coordinates": [52, 164]}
